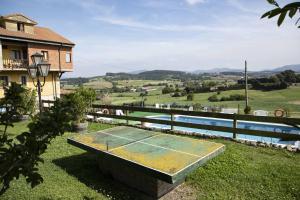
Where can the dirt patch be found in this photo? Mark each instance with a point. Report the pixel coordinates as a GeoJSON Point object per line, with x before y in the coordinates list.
{"type": "Point", "coordinates": [295, 102]}
{"type": "Point", "coordinates": [182, 192]}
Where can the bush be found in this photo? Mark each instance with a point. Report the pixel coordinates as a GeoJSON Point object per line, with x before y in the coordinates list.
{"type": "Point", "coordinates": [81, 101]}
{"type": "Point", "coordinates": [213, 98]}
{"type": "Point", "coordinates": [190, 97]}
{"type": "Point", "coordinates": [176, 94]}
{"type": "Point", "coordinates": [197, 106]}
{"type": "Point", "coordinates": [167, 90]}
{"type": "Point", "coordinates": [247, 110]}
{"type": "Point", "coordinates": [105, 99]}
{"type": "Point", "coordinates": [233, 97]}
{"type": "Point", "coordinates": [21, 156]}
{"type": "Point", "coordinates": [24, 99]}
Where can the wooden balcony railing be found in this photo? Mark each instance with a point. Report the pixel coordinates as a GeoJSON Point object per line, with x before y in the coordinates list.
{"type": "Point", "coordinates": [295, 122]}
{"type": "Point", "coordinates": [14, 63]}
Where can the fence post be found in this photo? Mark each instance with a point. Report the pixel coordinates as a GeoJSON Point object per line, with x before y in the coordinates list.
{"type": "Point", "coordinates": [172, 119]}
{"type": "Point", "coordinates": [126, 113]}
{"type": "Point", "coordinates": [234, 126]}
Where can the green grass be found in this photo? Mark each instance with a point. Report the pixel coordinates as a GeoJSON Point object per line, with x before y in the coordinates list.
{"type": "Point", "coordinates": [98, 83]}
{"type": "Point", "coordinates": [241, 172]}
{"type": "Point", "coordinates": [258, 100]}
{"type": "Point", "coordinates": [139, 83]}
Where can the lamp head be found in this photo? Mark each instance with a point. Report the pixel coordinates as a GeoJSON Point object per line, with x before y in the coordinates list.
{"type": "Point", "coordinates": [43, 69]}
{"type": "Point", "coordinates": [32, 71]}
{"type": "Point", "coordinates": [37, 58]}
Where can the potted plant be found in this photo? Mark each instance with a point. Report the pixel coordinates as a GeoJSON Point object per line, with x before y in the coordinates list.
{"type": "Point", "coordinates": [80, 101]}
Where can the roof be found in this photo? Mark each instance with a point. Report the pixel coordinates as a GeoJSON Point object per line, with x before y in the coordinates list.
{"type": "Point", "coordinates": [18, 17]}
{"type": "Point", "coordinates": [41, 34]}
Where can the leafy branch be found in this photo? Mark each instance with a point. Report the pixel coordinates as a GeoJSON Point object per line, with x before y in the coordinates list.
{"type": "Point", "coordinates": [290, 9]}
{"type": "Point", "coordinates": [21, 155]}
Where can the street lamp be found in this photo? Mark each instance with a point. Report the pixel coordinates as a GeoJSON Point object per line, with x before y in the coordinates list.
{"type": "Point", "coordinates": [38, 69]}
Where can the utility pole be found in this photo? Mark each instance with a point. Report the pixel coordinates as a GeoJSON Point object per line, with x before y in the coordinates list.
{"type": "Point", "coordinates": [246, 84]}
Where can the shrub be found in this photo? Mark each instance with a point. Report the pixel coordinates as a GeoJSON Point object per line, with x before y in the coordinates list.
{"type": "Point", "coordinates": [105, 99]}
{"type": "Point", "coordinates": [247, 110]}
{"type": "Point", "coordinates": [81, 101]}
{"type": "Point", "coordinates": [237, 97]}
{"type": "Point", "coordinates": [233, 97]}
{"type": "Point", "coordinates": [213, 98]}
{"type": "Point", "coordinates": [190, 97]}
{"type": "Point", "coordinates": [22, 98]}
{"type": "Point", "coordinates": [176, 94]}
{"type": "Point", "coordinates": [197, 106]}
{"type": "Point", "coordinates": [167, 90]}
{"type": "Point", "coordinates": [21, 155]}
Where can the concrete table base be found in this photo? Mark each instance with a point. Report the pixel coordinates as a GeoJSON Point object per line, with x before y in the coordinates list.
{"type": "Point", "coordinates": [150, 186]}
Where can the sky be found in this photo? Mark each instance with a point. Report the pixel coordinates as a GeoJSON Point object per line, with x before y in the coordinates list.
{"type": "Point", "coordinates": [186, 35]}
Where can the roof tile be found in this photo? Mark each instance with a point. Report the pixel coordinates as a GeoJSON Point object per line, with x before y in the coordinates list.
{"type": "Point", "coordinates": [40, 34]}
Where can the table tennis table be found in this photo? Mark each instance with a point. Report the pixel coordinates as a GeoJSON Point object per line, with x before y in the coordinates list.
{"type": "Point", "coordinates": [149, 161]}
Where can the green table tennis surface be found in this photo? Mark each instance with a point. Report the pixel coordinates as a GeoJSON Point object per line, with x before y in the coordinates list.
{"type": "Point", "coordinates": [163, 156]}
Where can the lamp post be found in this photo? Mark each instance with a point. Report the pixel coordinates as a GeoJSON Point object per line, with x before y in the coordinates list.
{"type": "Point", "coordinates": [39, 69]}
{"type": "Point", "coordinates": [246, 84]}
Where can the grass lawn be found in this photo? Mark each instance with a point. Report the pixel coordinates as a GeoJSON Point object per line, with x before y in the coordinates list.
{"type": "Point", "coordinates": [241, 172]}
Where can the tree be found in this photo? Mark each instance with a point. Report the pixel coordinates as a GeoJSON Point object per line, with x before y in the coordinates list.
{"type": "Point", "coordinates": [143, 95]}
{"type": "Point", "coordinates": [213, 98]}
{"type": "Point", "coordinates": [21, 155]}
{"type": "Point", "coordinates": [291, 9]}
{"type": "Point", "coordinates": [23, 100]}
{"type": "Point", "coordinates": [167, 90]}
{"type": "Point", "coordinates": [190, 97]}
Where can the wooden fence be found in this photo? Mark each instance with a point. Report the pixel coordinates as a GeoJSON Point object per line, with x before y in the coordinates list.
{"type": "Point", "coordinates": [295, 122]}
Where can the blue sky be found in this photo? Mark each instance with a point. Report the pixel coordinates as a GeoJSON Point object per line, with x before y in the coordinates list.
{"type": "Point", "coordinates": [129, 35]}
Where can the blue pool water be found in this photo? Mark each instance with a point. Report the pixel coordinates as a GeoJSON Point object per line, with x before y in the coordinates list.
{"type": "Point", "coordinates": [228, 123]}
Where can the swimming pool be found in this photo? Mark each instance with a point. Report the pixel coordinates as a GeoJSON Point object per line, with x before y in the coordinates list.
{"type": "Point", "coordinates": [282, 128]}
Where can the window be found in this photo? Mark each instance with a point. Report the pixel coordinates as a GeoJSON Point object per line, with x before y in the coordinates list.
{"type": "Point", "coordinates": [20, 27]}
{"type": "Point", "coordinates": [68, 57]}
{"type": "Point", "coordinates": [46, 55]}
{"type": "Point", "coordinates": [24, 80]}
{"type": "Point", "coordinates": [4, 80]}
{"type": "Point", "coordinates": [15, 54]}
{"type": "Point", "coordinates": [24, 52]}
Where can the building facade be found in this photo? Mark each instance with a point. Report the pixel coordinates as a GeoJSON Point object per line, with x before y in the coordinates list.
{"type": "Point", "coordinates": [20, 37]}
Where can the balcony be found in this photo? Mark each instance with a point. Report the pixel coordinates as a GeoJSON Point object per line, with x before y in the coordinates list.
{"type": "Point", "coordinates": [11, 64]}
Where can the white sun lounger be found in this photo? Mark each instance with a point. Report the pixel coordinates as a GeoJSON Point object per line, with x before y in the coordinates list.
{"type": "Point", "coordinates": [119, 112]}
{"type": "Point", "coordinates": [229, 110]}
{"type": "Point", "coordinates": [260, 113]}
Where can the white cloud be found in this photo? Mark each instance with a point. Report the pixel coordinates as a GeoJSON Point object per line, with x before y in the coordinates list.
{"type": "Point", "coordinates": [131, 23]}
{"type": "Point", "coordinates": [115, 54]}
{"type": "Point", "coordinates": [240, 6]}
{"type": "Point", "coordinates": [194, 2]}
{"type": "Point", "coordinates": [225, 42]}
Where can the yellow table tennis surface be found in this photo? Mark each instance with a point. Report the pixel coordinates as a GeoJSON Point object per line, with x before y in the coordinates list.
{"type": "Point", "coordinates": [164, 156]}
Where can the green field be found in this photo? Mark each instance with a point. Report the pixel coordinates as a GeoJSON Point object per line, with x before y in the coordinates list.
{"type": "Point", "coordinates": [241, 172]}
{"type": "Point", "coordinates": [139, 83]}
{"type": "Point", "coordinates": [258, 100]}
{"type": "Point", "coordinates": [98, 83]}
